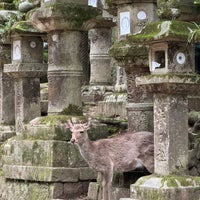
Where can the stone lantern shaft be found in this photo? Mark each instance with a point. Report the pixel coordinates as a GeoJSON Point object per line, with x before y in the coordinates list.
{"type": "Point", "coordinates": [7, 102]}
{"type": "Point", "coordinates": [171, 134]}
{"type": "Point", "coordinates": [65, 70]}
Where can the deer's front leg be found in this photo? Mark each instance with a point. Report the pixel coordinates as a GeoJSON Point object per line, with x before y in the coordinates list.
{"type": "Point", "coordinates": [107, 184]}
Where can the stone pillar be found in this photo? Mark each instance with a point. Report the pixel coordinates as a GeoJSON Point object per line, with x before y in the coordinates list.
{"type": "Point", "coordinates": [27, 100]}
{"type": "Point", "coordinates": [139, 103]}
{"type": "Point", "coordinates": [100, 42]}
{"type": "Point", "coordinates": [170, 122]}
{"type": "Point", "coordinates": [100, 33]}
{"type": "Point", "coordinates": [7, 105]}
{"type": "Point", "coordinates": [64, 71]}
{"type": "Point", "coordinates": [63, 21]}
{"type": "Point", "coordinates": [26, 68]}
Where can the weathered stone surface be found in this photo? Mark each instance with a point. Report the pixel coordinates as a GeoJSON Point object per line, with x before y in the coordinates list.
{"type": "Point", "coordinates": [57, 19]}
{"type": "Point", "coordinates": [166, 187]}
{"type": "Point", "coordinates": [47, 132]}
{"type": "Point", "coordinates": [100, 42]}
{"type": "Point", "coordinates": [7, 101]}
{"type": "Point", "coordinates": [170, 83]}
{"type": "Point", "coordinates": [28, 190]}
{"type": "Point", "coordinates": [140, 116]}
{"type": "Point", "coordinates": [170, 157]}
{"type": "Point", "coordinates": [49, 153]}
{"type": "Point", "coordinates": [114, 104]}
{"type": "Point", "coordinates": [73, 190]}
{"type": "Point", "coordinates": [44, 174]}
{"type": "Point", "coordinates": [74, 157]}
{"type": "Point", "coordinates": [94, 191]}
{"type": "Point", "coordinates": [87, 174]}
{"type": "Point", "coordinates": [183, 10]}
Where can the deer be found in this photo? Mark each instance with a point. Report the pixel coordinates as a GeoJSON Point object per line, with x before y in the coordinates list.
{"type": "Point", "coordinates": [122, 153]}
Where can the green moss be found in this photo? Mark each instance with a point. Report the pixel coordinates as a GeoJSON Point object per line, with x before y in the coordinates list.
{"type": "Point", "coordinates": [72, 110]}
{"type": "Point", "coordinates": [128, 49]}
{"type": "Point", "coordinates": [23, 26]}
{"type": "Point", "coordinates": [176, 30]}
{"type": "Point", "coordinates": [74, 15]}
{"type": "Point", "coordinates": [35, 154]}
{"type": "Point", "coordinates": [54, 120]}
{"type": "Point", "coordinates": [153, 195]}
{"type": "Point", "coordinates": [7, 6]}
{"type": "Point", "coordinates": [16, 2]}
{"type": "Point", "coordinates": [180, 181]}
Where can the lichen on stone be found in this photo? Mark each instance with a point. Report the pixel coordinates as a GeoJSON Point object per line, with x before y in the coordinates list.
{"type": "Point", "coordinates": [128, 49]}
{"type": "Point", "coordinates": [164, 30]}
{"type": "Point", "coordinates": [74, 15]}
{"type": "Point", "coordinates": [23, 26]}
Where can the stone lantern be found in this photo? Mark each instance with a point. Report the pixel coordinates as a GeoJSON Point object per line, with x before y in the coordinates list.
{"type": "Point", "coordinates": [172, 79]}
{"type": "Point", "coordinates": [64, 23]}
{"type": "Point", "coordinates": [133, 15]}
{"type": "Point", "coordinates": [100, 33]}
{"type": "Point", "coordinates": [26, 68]}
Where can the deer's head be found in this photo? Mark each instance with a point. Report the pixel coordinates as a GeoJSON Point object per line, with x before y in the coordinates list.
{"type": "Point", "coordinates": [79, 132]}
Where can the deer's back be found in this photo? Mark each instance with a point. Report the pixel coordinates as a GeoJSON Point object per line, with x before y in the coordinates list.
{"type": "Point", "coordinates": [126, 152]}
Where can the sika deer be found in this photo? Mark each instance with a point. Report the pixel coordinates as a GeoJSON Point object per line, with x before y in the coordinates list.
{"type": "Point", "coordinates": [122, 153]}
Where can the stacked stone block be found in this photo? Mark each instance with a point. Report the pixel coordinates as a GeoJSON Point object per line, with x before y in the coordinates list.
{"type": "Point", "coordinates": [43, 160]}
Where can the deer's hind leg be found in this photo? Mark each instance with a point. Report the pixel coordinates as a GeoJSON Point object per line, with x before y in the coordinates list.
{"type": "Point", "coordinates": [106, 184]}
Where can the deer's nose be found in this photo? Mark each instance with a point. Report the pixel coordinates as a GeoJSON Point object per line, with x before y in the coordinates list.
{"type": "Point", "coordinates": [72, 141]}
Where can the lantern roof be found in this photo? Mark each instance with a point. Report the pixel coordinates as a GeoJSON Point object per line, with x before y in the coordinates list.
{"type": "Point", "coordinates": [172, 30]}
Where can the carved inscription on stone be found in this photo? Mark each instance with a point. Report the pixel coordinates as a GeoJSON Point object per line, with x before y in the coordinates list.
{"type": "Point", "coordinates": [19, 105]}
{"type": "Point", "coordinates": [160, 126]}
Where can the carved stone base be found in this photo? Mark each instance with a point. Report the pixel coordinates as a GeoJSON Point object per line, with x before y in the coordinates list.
{"type": "Point", "coordinates": [140, 116]}
{"type": "Point", "coordinates": [166, 187]}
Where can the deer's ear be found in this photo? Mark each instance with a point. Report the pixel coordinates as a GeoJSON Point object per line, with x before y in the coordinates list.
{"type": "Point", "coordinates": [87, 125]}
{"type": "Point", "coordinates": [69, 124]}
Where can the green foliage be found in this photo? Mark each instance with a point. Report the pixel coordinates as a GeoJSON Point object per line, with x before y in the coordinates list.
{"type": "Point", "coordinates": [16, 2]}
{"type": "Point", "coordinates": [72, 110]}
{"type": "Point", "coordinates": [7, 25]}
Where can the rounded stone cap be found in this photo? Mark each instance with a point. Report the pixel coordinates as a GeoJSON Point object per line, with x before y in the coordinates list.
{"type": "Point", "coordinates": [62, 16]}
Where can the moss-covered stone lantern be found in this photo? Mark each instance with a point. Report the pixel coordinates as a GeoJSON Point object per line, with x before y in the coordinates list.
{"type": "Point", "coordinates": [169, 51]}
{"type": "Point", "coordinates": [133, 15]}
{"type": "Point", "coordinates": [26, 68]}
{"type": "Point", "coordinates": [64, 23]}
{"type": "Point", "coordinates": [172, 79]}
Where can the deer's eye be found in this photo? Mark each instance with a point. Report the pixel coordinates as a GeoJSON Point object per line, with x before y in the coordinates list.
{"type": "Point", "coordinates": [81, 132]}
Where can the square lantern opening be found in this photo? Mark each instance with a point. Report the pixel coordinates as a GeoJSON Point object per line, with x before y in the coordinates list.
{"type": "Point", "coordinates": [92, 3]}
{"type": "Point", "coordinates": [158, 58]}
